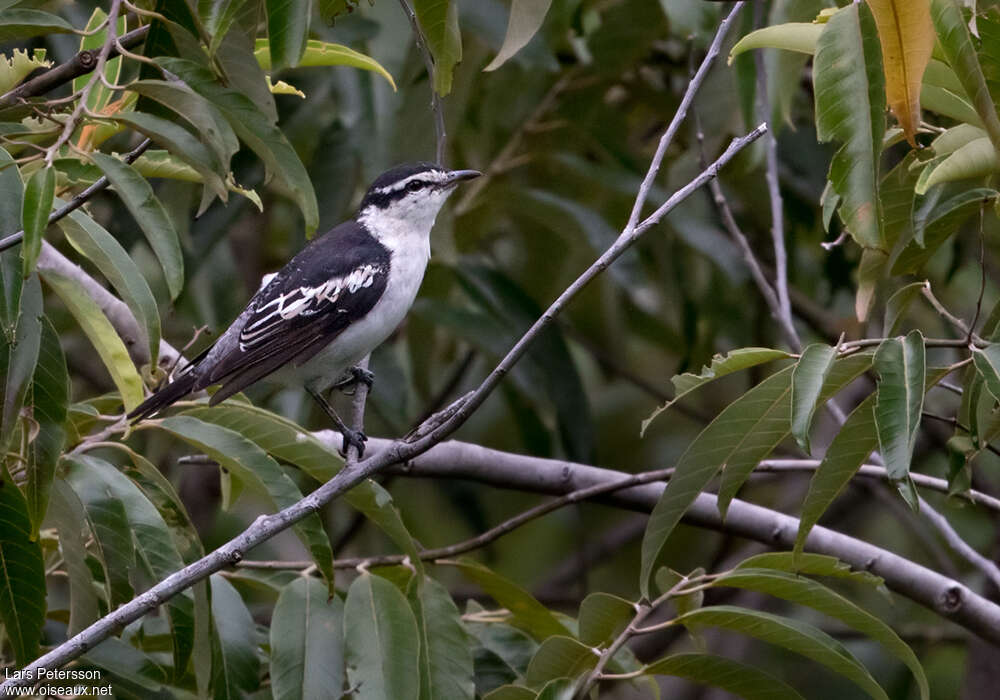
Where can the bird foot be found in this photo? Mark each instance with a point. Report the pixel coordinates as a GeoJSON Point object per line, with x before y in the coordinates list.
{"type": "Point", "coordinates": [355, 439]}
{"type": "Point", "coordinates": [353, 377]}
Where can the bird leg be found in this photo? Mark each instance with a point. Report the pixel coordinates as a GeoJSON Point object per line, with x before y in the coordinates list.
{"type": "Point", "coordinates": [355, 438]}
{"type": "Point", "coordinates": [353, 377]}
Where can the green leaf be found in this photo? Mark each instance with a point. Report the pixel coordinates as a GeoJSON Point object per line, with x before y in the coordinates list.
{"type": "Point", "coordinates": [772, 427]}
{"type": "Point", "coordinates": [975, 159]}
{"type": "Point", "coordinates": [602, 617]}
{"type": "Point", "coordinates": [713, 448]}
{"type": "Point", "coordinates": [509, 644]}
{"type": "Point", "coordinates": [526, 612]}
{"type": "Point", "coordinates": [811, 564]}
{"type": "Point", "coordinates": [307, 642]}
{"type": "Point", "coordinates": [254, 467]}
{"type": "Point", "coordinates": [374, 501]}
{"type": "Point", "coordinates": [287, 30]}
{"type": "Point", "coordinates": [127, 665]}
{"type": "Point", "coordinates": [939, 224]}
{"type": "Point", "coordinates": [850, 104]}
{"type": "Point", "coordinates": [871, 271]}
{"type": "Point", "coordinates": [49, 396]}
{"type": "Point", "coordinates": [153, 542]}
{"type": "Point", "coordinates": [734, 361]}
{"type": "Point", "coordinates": [446, 669]}
{"type": "Point", "coordinates": [808, 377]}
{"type": "Point", "coordinates": [896, 190]}
{"type": "Point", "coordinates": [739, 437]}
{"type": "Point", "coordinates": [205, 119]}
{"type": "Point", "coordinates": [439, 22]}
{"type": "Point", "coordinates": [801, 37]}
{"type": "Point", "coordinates": [954, 37]}
{"type": "Point", "coordinates": [162, 495]}
{"type": "Point", "coordinates": [235, 670]}
{"type": "Point", "coordinates": [110, 528]}
{"type": "Point", "coordinates": [152, 218]}
{"type": "Point", "coordinates": [19, 354]}
{"type": "Point", "coordinates": [38, 194]}
{"type": "Point", "coordinates": [287, 441]}
{"type": "Point", "coordinates": [790, 634]}
{"type": "Point", "coordinates": [18, 25]}
{"type": "Point", "coordinates": [256, 130]}
{"type": "Point", "coordinates": [987, 362]}
{"type": "Point", "coordinates": [526, 17]}
{"type": "Point", "coordinates": [739, 679]}
{"type": "Point", "coordinates": [900, 364]}
{"type": "Point", "coordinates": [382, 643]}
{"type": "Point", "coordinates": [94, 242]}
{"type": "Point", "coordinates": [11, 280]}
{"type": "Point", "coordinates": [896, 307]}
{"type": "Point", "coordinates": [19, 65]}
{"type": "Point", "coordinates": [947, 103]}
{"type": "Point", "coordinates": [511, 692]}
{"type": "Point", "coordinates": [67, 514]}
{"type": "Point", "coordinates": [183, 144]}
{"type": "Point", "coordinates": [101, 334]}
{"type": "Point", "coordinates": [560, 657]}
{"type": "Point", "coordinates": [22, 575]}
{"type": "Point", "coordinates": [954, 138]}
{"type": "Point", "coordinates": [804, 591]}
{"type": "Point", "coordinates": [851, 446]}
{"type": "Point", "coordinates": [324, 53]}
{"type": "Point", "coordinates": [217, 17]}
{"type": "Point", "coordinates": [558, 689]}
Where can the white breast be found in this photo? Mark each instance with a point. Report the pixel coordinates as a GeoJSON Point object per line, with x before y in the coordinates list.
{"type": "Point", "coordinates": [409, 248]}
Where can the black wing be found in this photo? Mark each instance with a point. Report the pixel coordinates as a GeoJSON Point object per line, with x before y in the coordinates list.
{"type": "Point", "coordinates": [330, 284]}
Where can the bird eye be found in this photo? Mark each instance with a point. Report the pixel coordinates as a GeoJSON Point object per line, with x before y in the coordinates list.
{"type": "Point", "coordinates": [414, 185]}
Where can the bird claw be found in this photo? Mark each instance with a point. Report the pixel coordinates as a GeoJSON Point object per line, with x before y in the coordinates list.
{"type": "Point", "coordinates": [355, 376]}
{"type": "Point", "coordinates": [355, 439]}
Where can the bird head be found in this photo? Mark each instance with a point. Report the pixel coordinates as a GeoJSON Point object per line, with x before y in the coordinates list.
{"type": "Point", "coordinates": [412, 193]}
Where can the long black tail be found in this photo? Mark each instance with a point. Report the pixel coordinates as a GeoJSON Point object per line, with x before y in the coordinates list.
{"type": "Point", "coordinates": [174, 391]}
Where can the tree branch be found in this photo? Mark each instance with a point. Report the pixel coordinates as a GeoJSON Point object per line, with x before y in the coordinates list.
{"type": "Point", "coordinates": [948, 598]}
{"type": "Point", "coordinates": [81, 64]}
{"type": "Point", "coordinates": [118, 313]}
{"type": "Point", "coordinates": [80, 199]}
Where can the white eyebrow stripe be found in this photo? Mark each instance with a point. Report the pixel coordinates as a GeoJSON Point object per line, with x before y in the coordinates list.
{"type": "Point", "coordinates": [435, 176]}
{"type": "Point", "coordinates": [307, 301]}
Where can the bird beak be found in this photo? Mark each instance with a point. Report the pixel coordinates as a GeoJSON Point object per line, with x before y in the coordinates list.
{"type": "Point", "coordinates": [457, 176]}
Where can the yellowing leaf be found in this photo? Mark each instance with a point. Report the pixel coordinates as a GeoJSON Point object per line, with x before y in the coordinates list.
{"type": "Point", "coordinates": [907, 38]}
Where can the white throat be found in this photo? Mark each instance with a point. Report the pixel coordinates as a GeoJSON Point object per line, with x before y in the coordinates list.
{"type": "Point", "coordinates": [404, 227]}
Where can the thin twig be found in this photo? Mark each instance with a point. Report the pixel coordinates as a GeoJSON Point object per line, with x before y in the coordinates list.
{"type": "Point", "coordinates": [961, 547]}
{"type": "Point", "coordinates": [773, 185]}
{"type": "Point", "coordinates": [982, 274]}
{"type": "Point", "coordinates": [81, 106]}
{"type": "Point", "coordinates": [958, 323]}
{"type": "Point", "coordinates": [752, 263]}
{"type": "Point", "coordinates": [79, 200]}
{"type": "Point", "coordinates": [675, 123]}
{"type": "Point", "coordinates": [437, 108]}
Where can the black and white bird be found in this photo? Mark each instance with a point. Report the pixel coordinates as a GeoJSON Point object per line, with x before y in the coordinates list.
{"type": "Point", "coordinates": [333, 303]}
